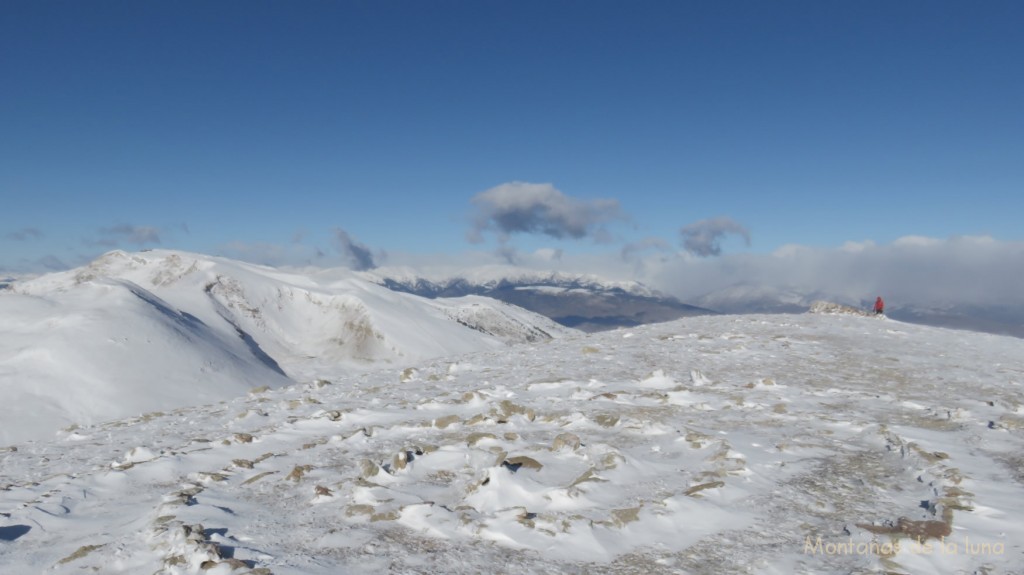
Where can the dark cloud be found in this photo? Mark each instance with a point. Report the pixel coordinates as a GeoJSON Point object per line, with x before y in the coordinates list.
{"type": "Point", "coordinates": [359, 256]}
{"type": "Point", "coordinates": [509, 254]}
{"type": "Point", "coordinates": [703, 238]}
{"type": "Point", "coordinates": [24, 234]}
{"type": "Point", "coordinates": [136, 235]}
{"type": "Point", "coordinates": [520, 207]}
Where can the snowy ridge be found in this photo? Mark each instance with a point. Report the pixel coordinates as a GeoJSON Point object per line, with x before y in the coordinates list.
{"type": "Point", "coordinates": [109, 348]}
{"type": "Point", "coordinates": [758, 444]}
{"type": "Point", "coordinates": [130, 333]}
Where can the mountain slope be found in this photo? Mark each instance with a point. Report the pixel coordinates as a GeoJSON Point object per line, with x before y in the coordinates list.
{"type": "Point", "coordinates": [158, 330]}
{"type": "Point", "coordinates": [808, 443]}
{"type": "Point", "coordinates": [108, 349]}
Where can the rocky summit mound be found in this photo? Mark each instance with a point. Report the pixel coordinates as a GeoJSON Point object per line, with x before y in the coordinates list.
{"type": "Point", "coordinates": [825, 307]}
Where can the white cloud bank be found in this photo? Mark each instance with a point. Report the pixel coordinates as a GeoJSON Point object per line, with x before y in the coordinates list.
{"type": "Point", "coordinates": [965, 270]}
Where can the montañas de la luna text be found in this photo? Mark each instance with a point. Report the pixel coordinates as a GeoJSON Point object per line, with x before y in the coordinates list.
{"type": "Point", "coordinates": [943, 546]}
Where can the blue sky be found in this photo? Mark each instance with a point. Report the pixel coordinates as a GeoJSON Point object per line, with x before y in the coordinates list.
{"type": "Point", "coordinates": [295, 132]}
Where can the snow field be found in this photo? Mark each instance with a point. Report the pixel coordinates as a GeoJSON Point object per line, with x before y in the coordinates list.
{"type": "Point", "coordinates": [761, 444]}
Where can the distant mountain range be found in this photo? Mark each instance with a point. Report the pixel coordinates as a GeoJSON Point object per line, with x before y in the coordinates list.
{"type": "Point", "coordinates": [591, 304]}
{"type": "Point", "coordinates": [584, 302]}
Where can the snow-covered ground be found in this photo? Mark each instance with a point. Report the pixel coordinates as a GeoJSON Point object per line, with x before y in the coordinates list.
{"type": "Point", "coordinates": [804, 443]}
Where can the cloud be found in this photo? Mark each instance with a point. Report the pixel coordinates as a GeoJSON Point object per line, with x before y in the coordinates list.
{"type": "Point", "coordinates": [51, 263]}
{"type": "Point", "coordinates": [964, 270]}
{"type": "Point", "coordinates": [549, 254]}
{"type": "Point", "coordinates": [968, 270]}
{"type": "Point", "coordinates": [509, 254]}
{"type": "Point", "coordinates": [703, 238]}
{"type": "Point", "coordinates": [524, 208]}
{"type": "Point", "coordinates": [356, 254]}
{"type": "Point", "coordinates": [269, 254]}
{"type": "Point", "coordinates": [632, 250]}
{"type": "Point", "coordinates": [37, 265]}
{"type": "Point", "coordinates": [24, 234]}
{"type": "Point", "coordinates": [136, 235]}
{"type": "Point", "coordinates": [295, 253]}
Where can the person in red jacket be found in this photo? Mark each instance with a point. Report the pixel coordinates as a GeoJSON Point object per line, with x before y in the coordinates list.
{"type": "Point", "coordinates": [879, 306]}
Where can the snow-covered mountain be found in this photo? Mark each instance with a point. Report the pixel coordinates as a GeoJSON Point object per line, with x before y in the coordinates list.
{"type": "Point", "coordinates": [158, 330]}
{"type": "Point", "coordinates": [581, 301]}
{"type": "Point", "coordinates": [788, 443]}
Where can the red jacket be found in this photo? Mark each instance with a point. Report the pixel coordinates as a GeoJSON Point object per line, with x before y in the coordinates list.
{"type": "Point", "coordinates": [879, 305]}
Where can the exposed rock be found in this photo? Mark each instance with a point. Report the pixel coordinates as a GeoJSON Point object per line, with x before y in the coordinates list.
{"type": "Point", "coordinates": [478, 436]}
{"type": "Point", "coordinates": [919, 530]}
{"type": "Point", "coordinates": [399, 461]}
{"type": "Point", "coordinates": [358, 509]}
{"type": "Point", "coordinates": [515, 463]}
{"type": "Point", "coordinates": [825, 307]}
{"type": "Point", "coordinates": [566, 440]}
{"type": "Point", "coordinates": [257, 477]}
{"type": "Point", "coordinates": [508, 409]}
{"type": "Point", "coordinates": [620, 517]}
{"type": "Point", "coordinates": [79, 553]}
{"type": "Point", "coordinates": [444, 422]}
{"type": "Point", "coordinates": [299, 472]}
{"type": "Point", "coordinates": [709, 485]}
{"type": "Point", "coordinates": [368, 469]}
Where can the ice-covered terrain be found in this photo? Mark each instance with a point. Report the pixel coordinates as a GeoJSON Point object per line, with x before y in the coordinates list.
{"type": "Point", "coordinates": [805, 443]}
{"type": "Point", "coordinates": [131, 333]}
